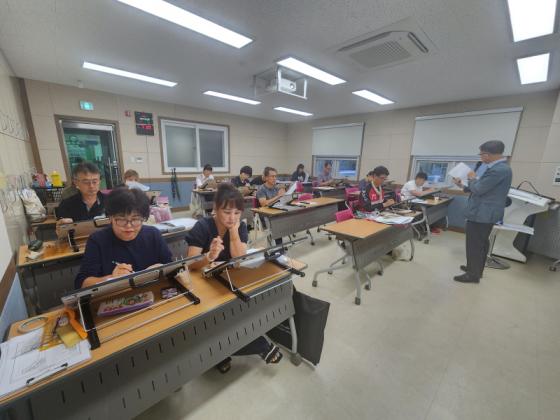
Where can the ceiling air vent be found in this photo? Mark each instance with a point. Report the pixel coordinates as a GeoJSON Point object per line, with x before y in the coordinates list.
{"type": "Point", "coordinates": [401, 42]}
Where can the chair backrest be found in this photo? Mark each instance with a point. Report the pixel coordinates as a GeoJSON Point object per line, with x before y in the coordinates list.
{"type": "Point", "coordinates": [348, 191]}
{"type": "Point", "coordinates": [299, 187]}
{"type": "Point", "coordinates": [314, 184]}
{"type": "Point", "coordinates": [305, 196]}
{"type": "Point", "coordinates": [343, 215]}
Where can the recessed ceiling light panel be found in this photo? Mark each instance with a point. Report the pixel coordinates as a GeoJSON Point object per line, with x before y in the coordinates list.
{"type": "Point", "coordinates": [231, 97]}
{"type": "Point", "coordinates": [293, 111]}
{"type": "Point", "coordinates": [533, 69]}
{"type": "Point", "coordinates": [304, 68]}
{"type": "Point", "coordinates": [374, 97]}
{"type": "Point", "coordinates": [124, 73]}
{"type": "Point", "coordinates": [186, 19]}
{"type": "Point", "coordinates": [531, 18]}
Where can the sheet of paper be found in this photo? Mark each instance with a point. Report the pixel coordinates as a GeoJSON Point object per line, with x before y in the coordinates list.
{"type": "Point", "coordinates": [393, 219]}
{"type": "Point", "coordinates": [15, 373]}
{"type": "Point", "coordinates": [460, 171]}
{"type": "Point", "coordinates": [292, 189]}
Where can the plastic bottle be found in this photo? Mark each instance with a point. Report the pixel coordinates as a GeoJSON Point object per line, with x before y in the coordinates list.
{"type": "Point", "coordinates": [56, 179]}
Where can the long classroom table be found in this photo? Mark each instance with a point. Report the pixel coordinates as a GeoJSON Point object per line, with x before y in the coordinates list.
{"type": "Point", "coordinates": [51, 276]}
{"type": "Point", "coordinates": [365, 242]}
{"type": "Point", "coordinates": [133, 371]}
{"type": "Point", "coordinates": [281, 223]}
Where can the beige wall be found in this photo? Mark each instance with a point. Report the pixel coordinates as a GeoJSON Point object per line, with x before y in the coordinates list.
{"type": "Point", "coordinates": [253, 142]}
{"type": "Point", "coordinates": [388, 136]}
{"type": "Point", "coordinates": [16, 158]}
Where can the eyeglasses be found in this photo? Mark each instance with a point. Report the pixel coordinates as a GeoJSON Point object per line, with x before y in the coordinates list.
{"type": "Point", "coordinates": [123, 222]}
{"type": "Point", "coordinates": [89, 182]}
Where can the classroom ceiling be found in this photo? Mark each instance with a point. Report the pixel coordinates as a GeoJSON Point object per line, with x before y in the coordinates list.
{"type": "Point", "coordinates": [474, 55]}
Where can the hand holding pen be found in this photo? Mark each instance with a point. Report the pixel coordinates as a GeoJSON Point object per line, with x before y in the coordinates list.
{"type": "Point", "coordinates": [121, 269]}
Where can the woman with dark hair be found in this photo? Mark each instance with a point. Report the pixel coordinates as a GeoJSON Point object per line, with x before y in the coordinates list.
{"type": "Point", "coordinates": [126, 245]}
{"type": "Point", "coordinates": [221, 237]}
{"type": "Point", "coordinates": [300, 174]}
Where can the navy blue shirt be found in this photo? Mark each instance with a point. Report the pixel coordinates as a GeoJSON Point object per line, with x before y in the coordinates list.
{"type": "Point", "coordinates": [103, 247]}
{"type": "Point", "coordinates": [74, 208]}
{"type": "Point", "coordinates": [205, 230]}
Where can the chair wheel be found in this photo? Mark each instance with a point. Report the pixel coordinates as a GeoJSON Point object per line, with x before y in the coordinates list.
{"type": "Point", "coordinates": [367, 287]}
{"type": "Point", "coordinates": [313, 243]}
{"type": "Point", "coordinates": [330, 239]}
{"type": "Point", "coordinates": [330, 271]}
{"type": "Point", "coordinates": [380, 273]}
{"type": "Point", "coordinates": [357, 301]}
{"type": "Point", "coordinates": [426, 241]}
{"type": "Point", "coordinates": [552, 268]}
{"type": "Point", "coordinates": [314, 283]}
{"type": "Point", "coordinates": [296, 359]}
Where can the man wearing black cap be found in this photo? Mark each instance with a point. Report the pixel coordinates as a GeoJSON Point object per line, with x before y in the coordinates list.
{"type": "Point", "coordinates": [485, 207]}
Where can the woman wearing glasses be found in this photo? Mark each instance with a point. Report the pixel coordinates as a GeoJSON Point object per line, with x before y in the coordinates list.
{"type": "Point", "coordinates": [126, 245]}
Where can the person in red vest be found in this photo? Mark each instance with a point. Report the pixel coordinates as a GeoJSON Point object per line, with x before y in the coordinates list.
{"type": "Point", "coordinates": [373, 197]}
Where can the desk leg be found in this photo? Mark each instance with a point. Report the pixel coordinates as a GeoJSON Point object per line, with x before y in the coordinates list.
{"type": "Point", "coordinates": [296, 358]}
{"type": "Point", "coordinates": [428, 232]}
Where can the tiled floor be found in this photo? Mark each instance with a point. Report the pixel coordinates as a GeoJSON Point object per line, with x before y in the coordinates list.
{"type": "Point", "coordinates": [419, 347]}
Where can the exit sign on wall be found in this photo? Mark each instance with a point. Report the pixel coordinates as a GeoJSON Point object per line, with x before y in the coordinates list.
{"type": "Point", "coordinates": [86, 106]}
{"type": "Point", "coordinates": [144, 123]}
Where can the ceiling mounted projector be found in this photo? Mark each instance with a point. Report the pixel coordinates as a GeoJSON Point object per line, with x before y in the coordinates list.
{"type": "Point", "coordinates": [280, 80]}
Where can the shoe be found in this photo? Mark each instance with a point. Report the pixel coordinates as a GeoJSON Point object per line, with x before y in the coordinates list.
{"type": "Point", "coordinates": [464, 268]}
{"type": "Point", "coordinates": [435, 231]}
{"type": "Point", "coordinates": [465, 278]}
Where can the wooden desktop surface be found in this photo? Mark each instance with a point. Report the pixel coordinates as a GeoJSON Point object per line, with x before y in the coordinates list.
{"type": "Point", "coordinates": [212, 294]}
{"type": "Point", "coordinates": [433, 202]}
{"type": "Point", "coordinates": [60, 250]}
{"type": "Point", "coordinates": [50, 220]}
{"type": "Point", "coordinates": [315, 202]}
{"type": "Point", "coordinates": [355, 228]}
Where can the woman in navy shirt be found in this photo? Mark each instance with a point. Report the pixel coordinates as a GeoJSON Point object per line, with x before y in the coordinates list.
{"type": "Point", "coordinates": [221, 237]}
{"type": "Point", "coordinates": [126, 245]}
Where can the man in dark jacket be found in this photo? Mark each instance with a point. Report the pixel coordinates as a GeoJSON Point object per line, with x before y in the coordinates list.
{"type": "Point", "coordinates": [485, 207]}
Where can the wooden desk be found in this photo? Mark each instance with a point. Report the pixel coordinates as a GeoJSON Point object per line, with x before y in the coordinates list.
{"type": "Point", "coordinates": [131, 372]}
{"type": "Point", "coordinates": [280, 223]}
{"type": "Point", "coordinates": [432, 211]}
{"type": "Point", "coordinates": [51, 276]}
{"type": "Point", "coordinates": [365, 242]}
{"type": "Point", "coordinates": [45, 230]}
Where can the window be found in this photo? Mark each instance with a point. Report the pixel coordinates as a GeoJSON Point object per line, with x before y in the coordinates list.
{"type": "Point", "coordinates": [346, 167]}
{"type": "Point", "coordinates": [188, 146]}
{"type": "Point", "coordinates": [438, 167]}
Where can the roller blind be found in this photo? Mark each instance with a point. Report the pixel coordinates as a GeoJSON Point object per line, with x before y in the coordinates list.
{"type": "Point", "coordinates": [338, 140]}
{"type": "Point", "coordinates": [461, 134]}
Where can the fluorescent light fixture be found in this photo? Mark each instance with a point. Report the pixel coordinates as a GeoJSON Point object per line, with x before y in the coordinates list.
{"type": "Point", "coordinates": [374, 97]}
{"type": "Point", "coordinates": [531, 18]}
{"type": "Point", "coordinates": [231, 97]}
{"type": "Point", "coordinates": [533, 69]}
{"type": "Point", "coordinates": [181, 17]}
{"type": "Point", "coordinates": [293, 111]}
{"type": "Point", "coordinates": [304, 68]}
{"type": "Point", "coordinates": [124, 73]}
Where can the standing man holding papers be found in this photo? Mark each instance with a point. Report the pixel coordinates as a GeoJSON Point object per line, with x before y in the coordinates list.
{"type": "Point", "coordinates": [485, 207]}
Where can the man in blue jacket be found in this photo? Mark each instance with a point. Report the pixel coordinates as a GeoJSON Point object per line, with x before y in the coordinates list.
{"type": "Point", "coordinates": [485, 207]}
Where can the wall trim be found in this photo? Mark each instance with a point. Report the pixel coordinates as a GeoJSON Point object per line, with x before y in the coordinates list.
{"type": "Point", "coordinates": [30, 126]}
{"type": "Point", "coordinates": [7, 281]}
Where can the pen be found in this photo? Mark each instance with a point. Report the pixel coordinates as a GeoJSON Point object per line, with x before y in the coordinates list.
{"type": "Point", "coordinates": [56, 325]}
{"type": "Point", "coordinates": [46, 374]}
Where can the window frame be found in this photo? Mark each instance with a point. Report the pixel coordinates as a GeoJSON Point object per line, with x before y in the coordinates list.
{"type": "Point", "coordinates": [197, 125]}
{"type": "Point", "coordinates": [335, 160]}
{"type": "Point", "coordinates": [452, 161]}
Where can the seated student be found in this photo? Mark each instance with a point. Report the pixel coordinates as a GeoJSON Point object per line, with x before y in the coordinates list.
{"type": "Point", "coordinates": [325, 178]}
{"type": "Point", "coordinates": [242, 181]}
{"type": "Point", "coordinates": [414, 187]}
{"type": "Point", "coordinates": [126, 245]}
{"type": "Point", "coordinates": [366, 181]}
{"type": "Point", "coordinates": [300, 174]}
{"type": "Point", "coordinates": [89, 203]}
{"type": "Point", "coordinates": [205, 178]}
{"type": "Point", "coordinates": [268, 192]}
{"type": "Point", "coordinates": [373, 197]}
{"type": "Point", "coordinates": [132, 180]}
{"type": "Point", "coordinates": [219, 238]}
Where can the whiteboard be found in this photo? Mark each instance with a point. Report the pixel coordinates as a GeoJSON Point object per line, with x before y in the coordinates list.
{"type": "Point", "coordinates": [462, 134]}
{"type": "Point", "coordinates": [338, 140]}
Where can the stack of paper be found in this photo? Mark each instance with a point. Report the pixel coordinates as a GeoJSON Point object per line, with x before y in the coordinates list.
{"type": "Point", "coordinates": [461, 170]}
{"type": "Point", "coordinates": [393, 219]}
{"type": "Point", "coordinates": [23, 364]}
